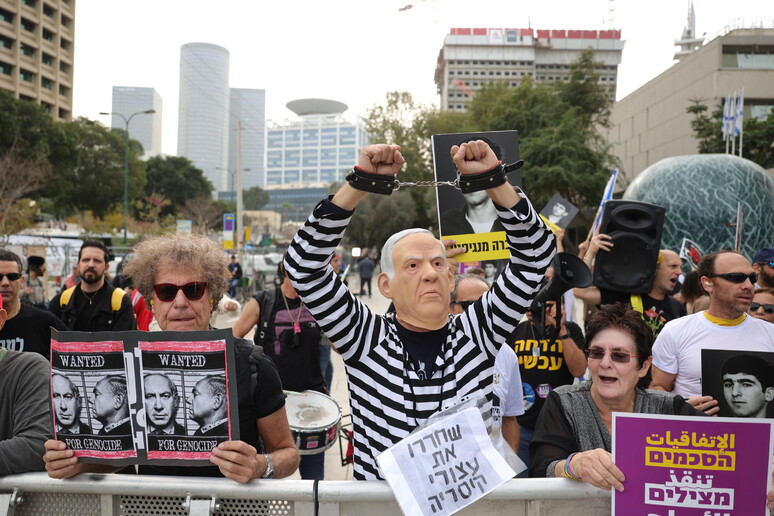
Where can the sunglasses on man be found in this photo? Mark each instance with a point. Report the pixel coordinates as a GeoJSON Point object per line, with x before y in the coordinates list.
{"type": "Point", "coordinates": [736, 277]}
{"type": "Point", "coordinates": [12, 276]}
{"type": "Point", "coordinates": [769, 309]}
{"type": "Point", "coordinates": [167, 292]}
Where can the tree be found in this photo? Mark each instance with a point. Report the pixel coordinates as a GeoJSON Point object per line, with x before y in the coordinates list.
{"type": "Point", "coordinates": [92, 178]}
{"type": "Point", "coordinates": [18, 177]}
{"type": "Point", "coordinates": [25, 127]}
{"type": "Point", "coordinates": [255, 198]}
{"type": "Point", "coordinates": [758, 134]}
{"type": "Point", "coordinates": [177, 180]}
{"type": "Point", "coordinates": [379, 216]}
{"type": "Point", "coordinates": [203, 212]}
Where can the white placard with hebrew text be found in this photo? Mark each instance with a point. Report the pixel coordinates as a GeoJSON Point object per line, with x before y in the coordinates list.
{"type": "Point", "coordinates": [444, 467]}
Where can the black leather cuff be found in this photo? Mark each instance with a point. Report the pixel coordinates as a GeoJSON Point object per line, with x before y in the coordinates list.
{"type": "Point", "coordinates": [368, 182]}
{"type": "Point", "coordinates": [491, 178]}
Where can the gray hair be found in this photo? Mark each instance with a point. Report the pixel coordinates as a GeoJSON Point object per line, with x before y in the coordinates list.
{"type": "Point", "coordinates": [386, 261]}
{"type": "Point", "coordinates": [459, 278]}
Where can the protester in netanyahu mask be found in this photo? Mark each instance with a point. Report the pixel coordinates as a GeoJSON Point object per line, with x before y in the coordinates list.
{"type": "Point", "coordinates": [404, 366]}
{"type": "Point", "coordinates": [183, 277]}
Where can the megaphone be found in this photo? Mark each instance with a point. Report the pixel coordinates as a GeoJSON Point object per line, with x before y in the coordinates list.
{"type": "Point", "coordinates": [569, 272]}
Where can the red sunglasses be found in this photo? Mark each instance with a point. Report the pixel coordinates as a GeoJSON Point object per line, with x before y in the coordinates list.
{"type": "Point", "coordinates": [193, 291]}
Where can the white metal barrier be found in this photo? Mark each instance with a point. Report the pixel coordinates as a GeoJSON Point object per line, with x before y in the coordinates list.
{"type": "Point", "coordinates": [34, 494]}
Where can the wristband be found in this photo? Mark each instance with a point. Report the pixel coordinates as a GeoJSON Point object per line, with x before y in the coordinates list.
{"type": "Point", "coordinates": [369, 182]}
{"type": "Point", "coordinates": [567, 471]}
{"type": "Point", "coordinates": [562, 337]}
{"type": "Point", "coordinates": [491, 178]}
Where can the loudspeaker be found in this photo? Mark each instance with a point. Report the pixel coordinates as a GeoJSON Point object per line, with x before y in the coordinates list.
{"type": "Point", "coordinates": [635, 228]}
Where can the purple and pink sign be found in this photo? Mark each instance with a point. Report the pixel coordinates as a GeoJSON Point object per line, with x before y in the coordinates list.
{"type": "Point", "coordinates": [692, 466]}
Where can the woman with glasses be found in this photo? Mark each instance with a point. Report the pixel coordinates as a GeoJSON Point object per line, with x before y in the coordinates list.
{"type": "Point", "coordinates": [573, 432]}
{"type": "Point", "coordinates": [183, 277]}
{"type": "Point", "coordinates": [762, 305]}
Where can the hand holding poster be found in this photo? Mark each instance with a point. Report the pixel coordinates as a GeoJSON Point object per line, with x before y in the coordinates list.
{"type": "Point", "coordinates": [138, 397]}
{"type": "Point", "coordinates": [444, 467]}
{"type": "Point", "coordinates": [691, 466]}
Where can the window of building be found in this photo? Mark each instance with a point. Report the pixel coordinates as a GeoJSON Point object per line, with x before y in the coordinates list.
{"type": "Point", "coordinates": [292, 138]}
{"type": "Point", "coordinates": [63, 90]}
{"type": "Point", "coordinates": [274, 177]}
{"type": "Point", "coordinates": [28, 25]}
{"type": "Point", "coordinates": [48, 35]}
{"type": "Point", "coordinates": [64, 44]}
{"type": "Point", "coordinates": [26, 75]}
{"type": "Point", "coordinates": [29, 3]}
{"type": "Point", "coordinates": [347, 155]}
{"type": "Point", "coordinates": [309, 175]}
{"type": "Point", "coordinates": [6, 42]}
{"type": "Point", "coordinates": [46, 59]}
{"type": "Point", "coordinates": [292, 176]}
{"type": "Point", "coordinates": [292, 157]}
{"type": "Point", "coordinates": [46, 107]}
{"type": "Point", "coordinates": [274, 159]}
{"type": "Point", "coordinates": [63, 114]}
{"type": "Point", "coordinates": [310, 158]}
{"type": "Point", "coordinates": [49, 11]}
{"type": "Point", "coordinates": [328, 136]}
{"type": "Point", "coordinates": [46, 83]}
{"type": "Point", "coordinates": [66, 21]}
{"type": "Point", "coordinates": [64, 67]}
{"type": "Point", "coordinates": [5, 68]}
{"type": "Point", "coordinates": [26, 50]}
{"type": "Point", "coordinates": [328, 157]}
{"type": "Point", "coordinates": [757, 111]}
{"type": "Point", "coordinates": [274, 139]}
{"type": "Point", "coordinates": [6, 16]}
{"type": "Point", "coordinates": [311, 136]}
{"type": "Point", "coordinates": [328, 175]}
{"type": "Point", "coordinates": [346, 136]}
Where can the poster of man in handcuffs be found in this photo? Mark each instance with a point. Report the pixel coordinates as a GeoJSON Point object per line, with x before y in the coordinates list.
{"type": "Point", "coordinates": [137, 397]}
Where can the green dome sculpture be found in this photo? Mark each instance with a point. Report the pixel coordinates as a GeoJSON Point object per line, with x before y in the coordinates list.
{"type": "Point", "coordinates": [700, 194]}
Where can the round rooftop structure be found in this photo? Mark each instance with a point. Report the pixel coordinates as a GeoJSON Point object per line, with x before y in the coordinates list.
{"type": "Point", "coordinates": [303, 107]}
{"type": "Point", "coordinates": [701, 193]}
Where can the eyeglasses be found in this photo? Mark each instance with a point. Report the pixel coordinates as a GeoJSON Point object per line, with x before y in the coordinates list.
{"type": "Point", "coordinates": [615, 356]}
{"type": "Point", "coordinates": [193, 291]}
{"type": "Point", "coordinates": [12, 276]}
{"type": "Point", "coordinates": [736, 277]}
{"type": "Point", "coordinates": [463, 304]}
{"type": "Point", "coordinates": [769, 309]}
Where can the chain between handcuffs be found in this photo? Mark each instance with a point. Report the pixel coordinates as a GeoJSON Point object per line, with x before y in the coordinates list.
{"type": "Point", "coordinates": [433, 184]}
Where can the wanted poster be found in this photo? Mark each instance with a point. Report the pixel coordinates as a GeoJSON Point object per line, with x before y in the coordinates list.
{"type": "Point", "coordinates": [164, 398]}
{"type": "Point", "coordinates": [471, 219]}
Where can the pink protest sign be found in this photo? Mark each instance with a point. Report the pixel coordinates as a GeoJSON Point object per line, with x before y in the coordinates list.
{"type": "Point", "coordinates": [691, 466]}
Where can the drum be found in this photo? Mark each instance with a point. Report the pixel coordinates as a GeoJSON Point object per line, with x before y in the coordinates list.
{"type": "Point", "coordinates": [314, 420]}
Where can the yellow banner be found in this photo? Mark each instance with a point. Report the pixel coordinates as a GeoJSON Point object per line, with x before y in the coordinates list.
{"type": "Point", "coordinates": [481, 246]}
{"type": "Point", "coordinates": [553, 227]}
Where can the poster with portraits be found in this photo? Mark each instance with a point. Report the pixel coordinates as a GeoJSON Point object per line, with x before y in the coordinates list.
{"type": "Point", "coordinates": [164, 398]}
{"type": "Point", "coordinates": [741, 381]}
{"type": "Point", "coordinates": [471, 219]}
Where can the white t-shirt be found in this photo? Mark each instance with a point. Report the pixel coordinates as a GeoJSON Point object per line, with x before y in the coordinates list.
{"type": "Point", "coordinates": [678, 347]}
{"type": "Point", "coordinates": [507, 383]}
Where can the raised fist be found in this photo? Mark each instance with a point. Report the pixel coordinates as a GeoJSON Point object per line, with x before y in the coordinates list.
{"type": "Point", "coordinates": [473, 157]}
{"type": "Point", "coordinates": [381, 159]}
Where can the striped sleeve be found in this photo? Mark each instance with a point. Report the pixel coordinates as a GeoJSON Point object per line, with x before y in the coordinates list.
{"type": "Point", "coordinates": [532, 245]}
{"type": "Point", "coordinates": [348, 323]}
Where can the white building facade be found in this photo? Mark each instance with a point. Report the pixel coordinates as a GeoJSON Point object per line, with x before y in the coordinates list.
{"type": "Point", "coordinates": [247, 131]}
{"type": "Point", "coordinates": [145, 128]}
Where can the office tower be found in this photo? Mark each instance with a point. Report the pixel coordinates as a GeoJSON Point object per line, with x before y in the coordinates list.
{"type": "Point", "coordinates": [36, 53]}
{"type": "Point", "coordinates": [203, 116]}
{"type": "Point", "coordinates": [317, 148]}
{"type": "Point", "coordinates": [471, 58]}
{"type": "Point", "coordinates": [146, 129]}
{"type": "Point", "coordinates": [247, 125]}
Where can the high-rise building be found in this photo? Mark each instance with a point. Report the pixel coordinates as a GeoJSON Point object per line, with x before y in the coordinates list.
{"type": "Point", "coordinates": [146, 129]}
{"type": "Point", "coordinates": [471, 58]}
{"type": "Point", "coordinates": [203, 116]}
{"type": "Point", "coordinates": [247, 125]}
{"type": "Point", "coordinates": [36, 53]}
{"type": "Point", "coordinates": [652, 123]}
{"type": "Point", "coordinates": [317, 148]}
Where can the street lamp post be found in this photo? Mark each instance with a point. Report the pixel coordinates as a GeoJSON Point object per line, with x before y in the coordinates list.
{"type": "Point", "coordinates": [126, 159]}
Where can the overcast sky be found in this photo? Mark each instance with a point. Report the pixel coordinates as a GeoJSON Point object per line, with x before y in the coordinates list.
{"type": "Point", "coordinates": [353, 51]}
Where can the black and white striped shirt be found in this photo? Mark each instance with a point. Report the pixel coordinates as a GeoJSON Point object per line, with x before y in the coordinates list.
{"type": "Point", "coordinates": [387, 398]}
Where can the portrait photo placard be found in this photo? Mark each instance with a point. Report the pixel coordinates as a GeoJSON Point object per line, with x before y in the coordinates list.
{"type": "Point", "coordinates": [741, 381]}
{"type": "Point", "coordinates": [164, 398]}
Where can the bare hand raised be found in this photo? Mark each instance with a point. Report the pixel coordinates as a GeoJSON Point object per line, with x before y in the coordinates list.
{"type": "Point", "coordinates": [381, 159]}
{"type": "Point", "coordinates": [473, 157]}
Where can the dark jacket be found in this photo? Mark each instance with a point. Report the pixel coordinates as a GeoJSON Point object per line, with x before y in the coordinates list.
{"type": "Point", "coordinates": [104, 319]}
